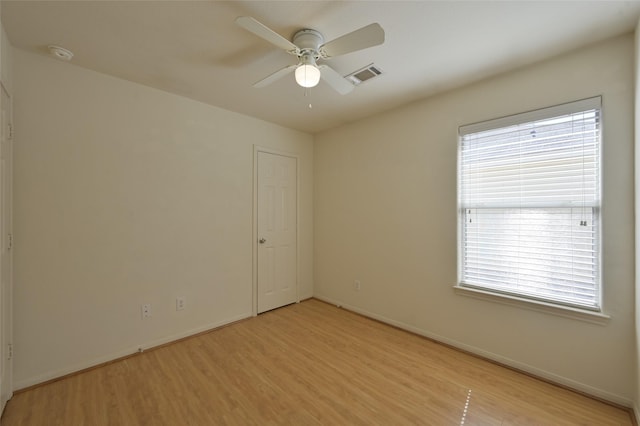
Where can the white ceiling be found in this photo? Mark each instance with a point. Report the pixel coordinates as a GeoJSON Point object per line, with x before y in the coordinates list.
{"type": "Point", "coordinates": [194, 49]}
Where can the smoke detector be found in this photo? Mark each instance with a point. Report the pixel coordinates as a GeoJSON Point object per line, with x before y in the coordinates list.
{"type": "Point", "coordinates": [60, 52]}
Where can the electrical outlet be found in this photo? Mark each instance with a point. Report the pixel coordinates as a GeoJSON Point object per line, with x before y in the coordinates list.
{"type": "Point", "coordinates": [356, 285]}
{"type": "Point", "coordinates": [181, 303]}
{"type": "Point", "coordinates": [145, 310]}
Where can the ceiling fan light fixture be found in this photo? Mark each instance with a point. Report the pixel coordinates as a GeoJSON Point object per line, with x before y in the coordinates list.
{"type": "Point", "coordinates": [307, 75]}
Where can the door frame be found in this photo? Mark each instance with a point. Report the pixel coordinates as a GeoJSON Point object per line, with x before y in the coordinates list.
{"type": "Point", "coordinates": [6, 310]}
{"type": "Point", "coordinates": [257, 149]}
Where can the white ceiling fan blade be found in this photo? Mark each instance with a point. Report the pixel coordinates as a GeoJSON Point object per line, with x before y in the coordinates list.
{"type": "Point", "coordinates": [335, 80]}
{"type": "Point", "coordinates": [266, 33]}
{"type": "Point", "coordinates": [369, 36]}
{"type": "Point", "coordinates": [275, 76]}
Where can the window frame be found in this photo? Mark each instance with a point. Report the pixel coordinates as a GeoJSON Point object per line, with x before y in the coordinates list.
{"type": "Point", "coordinates": [596, 314]}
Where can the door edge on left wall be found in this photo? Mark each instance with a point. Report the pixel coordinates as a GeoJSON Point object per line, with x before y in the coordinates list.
{"type": "Point", "coordinates": [257, 149]}
{"type": "Point", "coordinates": [6, 281]}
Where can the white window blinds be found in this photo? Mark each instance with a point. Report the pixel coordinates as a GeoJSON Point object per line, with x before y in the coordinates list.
{"type": "Point", "coordinates": [529, 193]}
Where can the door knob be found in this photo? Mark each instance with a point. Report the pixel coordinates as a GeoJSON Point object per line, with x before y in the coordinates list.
{"type": "Point", "coordinates": [262, 241]}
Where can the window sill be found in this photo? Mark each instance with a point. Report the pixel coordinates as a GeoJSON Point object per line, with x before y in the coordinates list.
{"type": "Point", "coordinates": [534, 305]}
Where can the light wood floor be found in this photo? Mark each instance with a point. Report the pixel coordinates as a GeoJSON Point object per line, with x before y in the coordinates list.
{"type": "Point", "coordinates": [305, 364]}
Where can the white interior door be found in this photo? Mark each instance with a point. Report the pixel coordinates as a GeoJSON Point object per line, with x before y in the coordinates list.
{"type": "Point", "coordinates": [277, 231]}
{"type": "Point", "coordinates": [6, 165]}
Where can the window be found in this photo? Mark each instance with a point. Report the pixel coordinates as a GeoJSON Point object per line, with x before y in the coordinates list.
{"type": "Point", "coordinates": [529, 205]}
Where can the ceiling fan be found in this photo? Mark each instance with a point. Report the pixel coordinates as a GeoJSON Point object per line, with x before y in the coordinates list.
{"type": "Point", "coordinates": [309, 47]}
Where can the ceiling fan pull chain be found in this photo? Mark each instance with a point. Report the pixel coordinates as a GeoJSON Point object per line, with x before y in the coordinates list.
{"type": "Point", "coordinates": [307, 94]}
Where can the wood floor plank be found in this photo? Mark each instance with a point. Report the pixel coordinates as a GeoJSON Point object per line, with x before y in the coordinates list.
{"type": "Point", "coordinates": [305, 364]}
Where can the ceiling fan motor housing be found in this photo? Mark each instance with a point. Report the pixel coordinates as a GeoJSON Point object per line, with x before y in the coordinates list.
{"type": "Point", "coordinates": [308, 41]}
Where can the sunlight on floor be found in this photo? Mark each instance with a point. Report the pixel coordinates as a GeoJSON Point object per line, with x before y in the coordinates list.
{"type": "Point", "coordinates": [466, 407]}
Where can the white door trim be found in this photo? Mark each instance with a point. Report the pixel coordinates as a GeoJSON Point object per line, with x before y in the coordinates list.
{"type": "Point", "coordinates": [7, 300]}
{"type": "Point", "coordinates": [256, 150]}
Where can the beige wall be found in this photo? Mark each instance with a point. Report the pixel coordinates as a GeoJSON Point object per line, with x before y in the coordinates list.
{"type": "Point", "coordinates": [385, 196]}
{"type": "Point", "coordinates": [127, 195]}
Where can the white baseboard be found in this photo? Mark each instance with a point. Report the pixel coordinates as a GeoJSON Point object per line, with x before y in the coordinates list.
{"type": "Point", "coordinates": [548, 376]}
{"type": "Point", "coordinates": [123, 353]}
